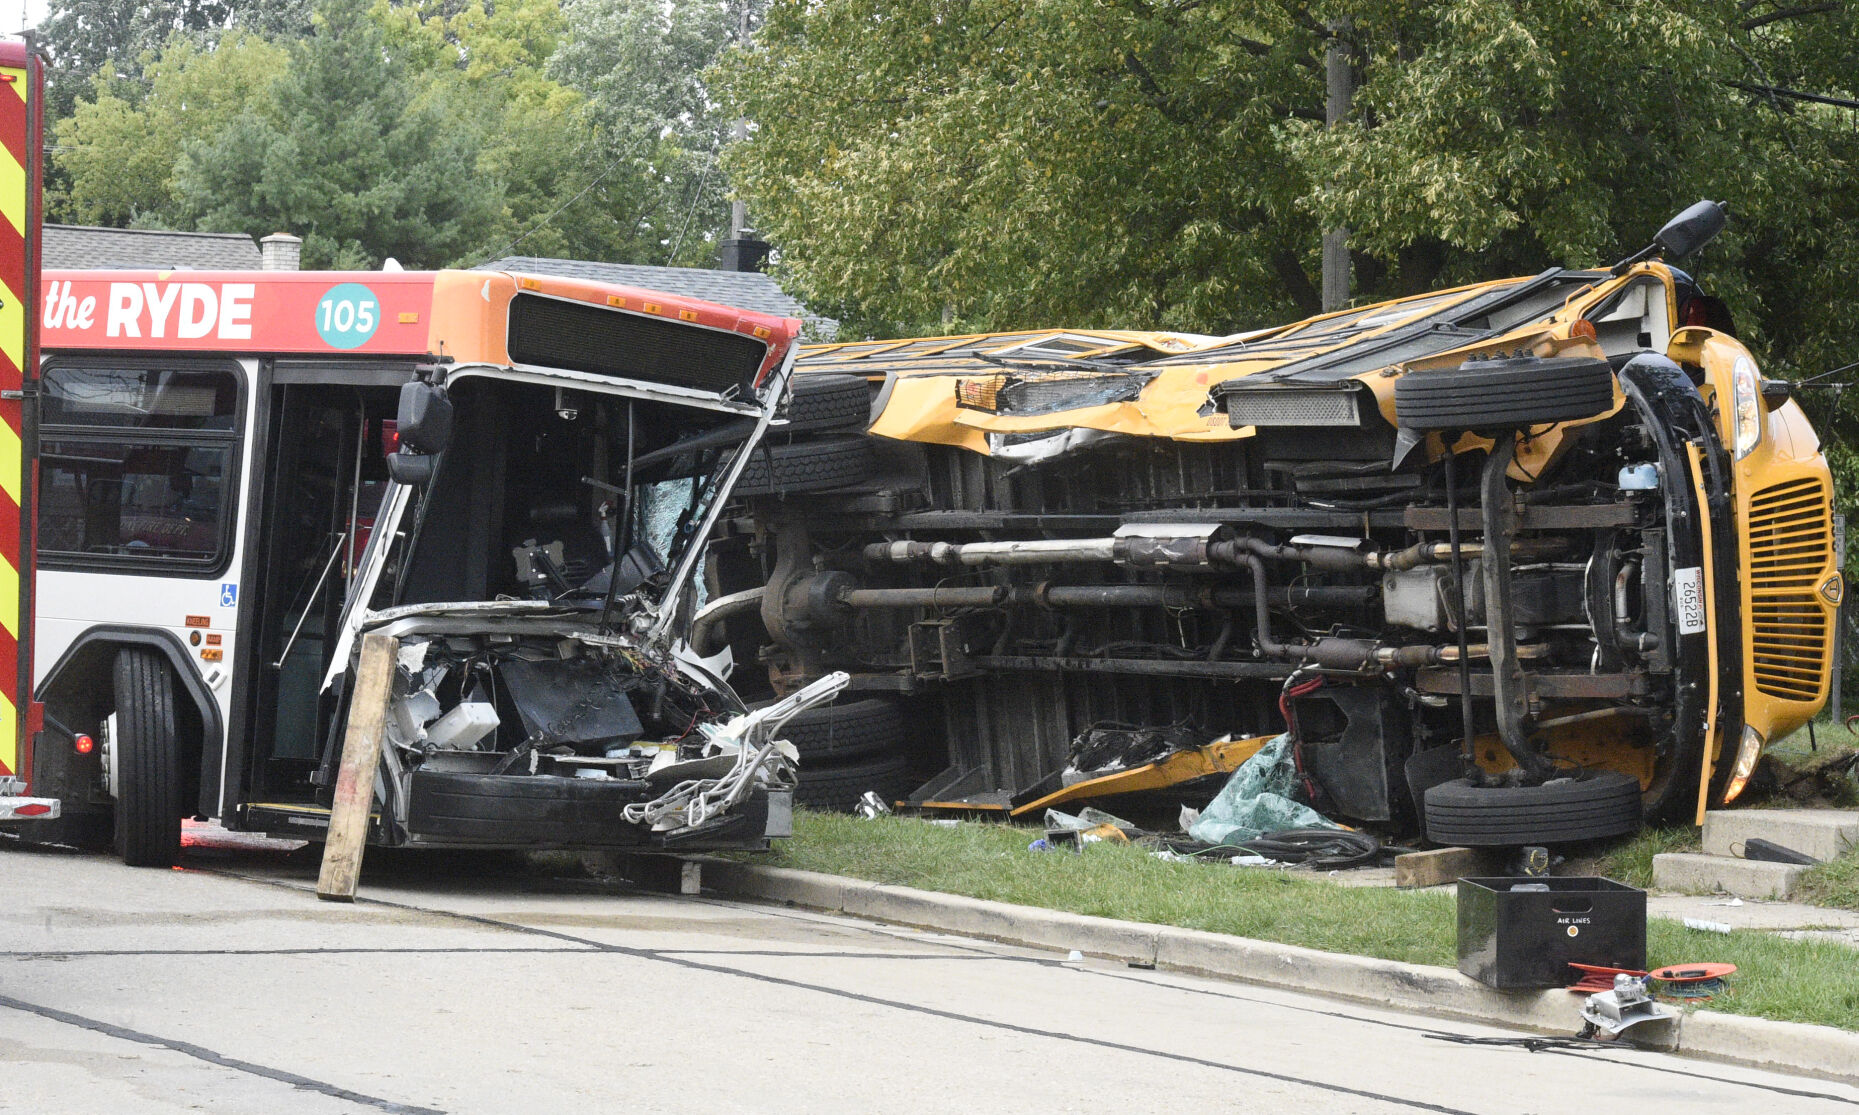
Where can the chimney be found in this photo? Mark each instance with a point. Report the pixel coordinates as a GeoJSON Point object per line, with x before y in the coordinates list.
{"type": "Point", "coordinates": [280, 252]}
{"type": "Point", "coordinates": [742, 253]}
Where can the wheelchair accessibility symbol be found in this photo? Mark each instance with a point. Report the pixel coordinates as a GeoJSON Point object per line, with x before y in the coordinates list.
{"type": "Point", "coordinates": [228, 596]}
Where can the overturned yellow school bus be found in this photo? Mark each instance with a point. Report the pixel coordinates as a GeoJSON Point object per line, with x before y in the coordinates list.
{"type": "Point", "coordinates": [1519, 562]}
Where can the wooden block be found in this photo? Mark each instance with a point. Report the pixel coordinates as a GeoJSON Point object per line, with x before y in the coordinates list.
{"type": "Point", "coordinates": [663, 873]}
{"type": "Point", "coordinates": [1441, 865]}
{"type": "Point", "coordinates": [361, 759]}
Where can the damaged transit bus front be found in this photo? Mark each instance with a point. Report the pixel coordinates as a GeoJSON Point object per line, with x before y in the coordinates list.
{"type": "Point", "coordinates": [242, 473]}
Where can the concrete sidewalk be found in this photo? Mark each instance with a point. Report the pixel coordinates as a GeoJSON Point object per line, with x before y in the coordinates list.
{"type": "Point", "coordinates": [1792, 1047]}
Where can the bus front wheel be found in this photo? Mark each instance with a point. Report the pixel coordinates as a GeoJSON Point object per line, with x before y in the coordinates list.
{"type": "Point", "coordinates": [148, 798]}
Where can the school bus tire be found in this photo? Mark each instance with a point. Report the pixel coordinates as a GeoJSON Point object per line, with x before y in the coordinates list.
{"type": "Point", "coordinates": [825, 401]}
{"type": "Point", "coordinates": [844, 732]}
{"type": "Point", "coordinates": [818, 465]}
{"type": "Point", "coordinates": [1588, 806]}
{"type": "Point", "coordinates": [1504, 394]}
{"type": "Point", "coordinates": [148, 764]}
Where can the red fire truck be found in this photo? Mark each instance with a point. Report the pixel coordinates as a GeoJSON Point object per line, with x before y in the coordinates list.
{"type": "Point", "coordinates": [21, 89]}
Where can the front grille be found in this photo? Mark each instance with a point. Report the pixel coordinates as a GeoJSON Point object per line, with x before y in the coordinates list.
{"type": "Point", "coordinates": [1045, 392]}
{"type": "Point", "coordinates": [1790, 548]}
{"type": "Point", "coordinates": [1293, 406]}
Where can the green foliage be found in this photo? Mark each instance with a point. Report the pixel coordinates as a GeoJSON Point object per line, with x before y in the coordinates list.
{"type": "Point", "coordinates": [639, 63]}
{"type": "Point", "coordinates": [992, 164]}
{"type": "Point", "coordinates": [85, 36]}
{"type": "Point", "coordinates": [117, 151]}
{"type": "Point", "coordinates": [344, 155]}
{"type": "Point", "coordinates": [434, 131]}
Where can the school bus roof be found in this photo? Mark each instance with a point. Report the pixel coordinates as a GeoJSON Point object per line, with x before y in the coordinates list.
{"type": "Point", "coordinates": [462, 315]}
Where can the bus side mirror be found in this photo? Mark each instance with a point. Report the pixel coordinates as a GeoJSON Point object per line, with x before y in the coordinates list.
{"type": "Point", "coordinates": [1691, 230]}
{"type": "Point", "coordinates": [425, 418]}
{"type": "Point", "coordinates": [410, 469]}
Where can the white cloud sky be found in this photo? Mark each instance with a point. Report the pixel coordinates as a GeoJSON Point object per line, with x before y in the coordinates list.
{"type": "Point", "coordinates": [15, 14]}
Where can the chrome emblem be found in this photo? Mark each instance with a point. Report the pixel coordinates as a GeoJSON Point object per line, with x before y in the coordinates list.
{"type": "Point", "coordinates": [1833, 588]}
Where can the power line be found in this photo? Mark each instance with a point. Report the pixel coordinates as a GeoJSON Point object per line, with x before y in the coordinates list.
{"type": "Point", "coordinates": [556, 213]}
{"type": "Point", "coordinates": [1793, 94]}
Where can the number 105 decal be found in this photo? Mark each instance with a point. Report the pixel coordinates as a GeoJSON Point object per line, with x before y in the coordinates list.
{"type": "Point", "coordinates": [347, 314]}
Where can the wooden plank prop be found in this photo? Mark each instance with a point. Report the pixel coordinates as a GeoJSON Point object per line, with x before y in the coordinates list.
{"type": "Point", "coordinates": [361, 758]}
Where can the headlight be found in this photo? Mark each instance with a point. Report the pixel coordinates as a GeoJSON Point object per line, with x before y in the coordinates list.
{"type": "Point", "coordinates": [1746, 392]}
{"type": "Point", "coordinates": [1746, 756]}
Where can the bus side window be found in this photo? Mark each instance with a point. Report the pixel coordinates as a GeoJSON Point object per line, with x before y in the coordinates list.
{"type": "Point", "coordinates": [137, 466]}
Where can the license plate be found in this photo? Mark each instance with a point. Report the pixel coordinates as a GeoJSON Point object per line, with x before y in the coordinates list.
{"type": "Point", "coordinates": [1688, 589]}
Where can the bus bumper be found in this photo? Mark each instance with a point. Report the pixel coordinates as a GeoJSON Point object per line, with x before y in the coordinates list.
{"type": "Point", "coordinates": [14, 807]}
{"type": "Point", "coordinates": [538, 811]}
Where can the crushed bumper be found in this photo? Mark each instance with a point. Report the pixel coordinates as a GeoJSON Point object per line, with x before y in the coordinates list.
{"type": "Point", "coordinates": [545, 811]}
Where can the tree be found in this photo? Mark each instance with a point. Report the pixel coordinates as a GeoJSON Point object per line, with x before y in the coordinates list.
{"type": "Point", "coordinates": [117, 151]}
{"type": "Point", "coordinates": [654, 131]}
{"type": "Point", "coordinates": [83, 36]}
{"type": "Point", "coordinates": [985, 163]}
{"type": "Point", "coordinates": [345, 156]}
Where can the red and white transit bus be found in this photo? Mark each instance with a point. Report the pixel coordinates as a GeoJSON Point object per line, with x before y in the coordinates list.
{"type": "Point", "coordinates": [242, 473]}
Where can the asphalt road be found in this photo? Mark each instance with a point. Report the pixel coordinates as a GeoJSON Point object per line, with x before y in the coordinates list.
{"type": "Point", "coordinates": [494, 984]}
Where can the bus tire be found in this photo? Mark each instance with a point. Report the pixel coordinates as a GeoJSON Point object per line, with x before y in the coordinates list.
{"type": "Point", "coordinates": [148, 762]}
{"type": "Point", "coordinates": [836, 733]}
{"type": "Point", "coordinates": [828, 402]}
{"type": "Point", "coordinates": [1589, 806]}
{"type": "Point", "coordinates": [837, 788]}
{"type": "Point", "coordinates": [1509, 394]}
{"type": "Point", "coordinates": [807, 466]}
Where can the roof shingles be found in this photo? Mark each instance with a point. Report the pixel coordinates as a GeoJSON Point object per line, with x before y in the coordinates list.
{"type": "Point", "coordinates": [84, 248]}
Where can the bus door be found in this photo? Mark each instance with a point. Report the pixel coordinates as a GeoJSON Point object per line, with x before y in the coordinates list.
{"type": "Point", "coordinates": [329, 427]}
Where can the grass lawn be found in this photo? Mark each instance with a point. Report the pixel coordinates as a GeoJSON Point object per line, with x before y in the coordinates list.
{"type": "Point", "coordinates": [1832, 884]}
{"type": "Point", "coordinates": [1799, 981]}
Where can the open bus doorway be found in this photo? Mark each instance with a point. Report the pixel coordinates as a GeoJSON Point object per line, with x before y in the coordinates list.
{"type": "Point", "coordinates": [330, 442]}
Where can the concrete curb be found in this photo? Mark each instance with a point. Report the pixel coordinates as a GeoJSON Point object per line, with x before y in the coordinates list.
{"type": "Point", "coordinates": [1792, 1047]}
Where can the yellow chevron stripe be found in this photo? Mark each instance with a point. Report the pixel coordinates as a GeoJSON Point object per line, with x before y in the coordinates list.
{"type": "Point", "coordinates": [9, 733]}
{"type": "Point", "coordinates": [13, 175]}
{"type": "Point", "coordinates": [12, 191]}
{"type": "Point", "coordinates": [9, 603]}
{"type": "Point", "coordinates": [10, 466]}
{"type": "Point", "coordinates": [13, 343]}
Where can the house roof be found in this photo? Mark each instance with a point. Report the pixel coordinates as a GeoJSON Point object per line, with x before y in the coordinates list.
{"type": "Point", "coordinates": [744, 290]}
{"type": "Point", "coordinates": [84, 248]}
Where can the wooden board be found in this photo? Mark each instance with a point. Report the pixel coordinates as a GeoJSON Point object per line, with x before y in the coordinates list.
{"type": "Point", "coordinates": [361, 759]}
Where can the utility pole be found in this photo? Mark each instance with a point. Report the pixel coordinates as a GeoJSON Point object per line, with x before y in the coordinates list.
{"type": "Point", "coordinates": [1339, 77]}
{"type": "Point", "coordinates": [739, 131]}
{"type": "Point", "coordinates": [741, 250]}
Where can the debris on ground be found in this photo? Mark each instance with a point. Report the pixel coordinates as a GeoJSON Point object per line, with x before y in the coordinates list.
{"type": "Point", "coordinates": [1827, 778]}
{"type": "Point", "coordinates": [1599, 977]}
{"type": "Point", "coordinates": [1088, 827]}
{"type": "Point", "coordinates": [1262, 796]}
{"type": "Point", "coordinates": [1693, 983]}
{"type": "Point", "coordinates": [1627, 1006]}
